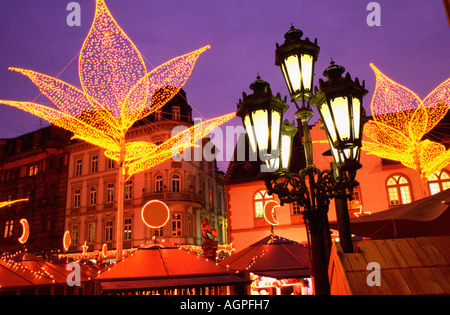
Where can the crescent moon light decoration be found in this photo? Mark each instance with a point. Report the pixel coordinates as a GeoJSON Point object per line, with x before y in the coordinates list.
{"type": "Point", "coordinates": [66, 241]}
{"type": "Point", "coordinates": [155, 214]}
{"type": "Point", "coordinates": [269, 212]}
{"type": "Point", "coordinates": [105, 250]}
{"type": "Point", "coordinates": [25, 231]}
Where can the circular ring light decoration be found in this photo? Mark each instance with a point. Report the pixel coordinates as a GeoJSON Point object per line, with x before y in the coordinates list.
{"type": "Point", "coordinates": [155, 214]}
{"type": "Point", "coordinates": [269, 212]}
{"type": "Point", "coordinates": [25, 231]}
{"type": "Point", "coordinates": [66, 241]}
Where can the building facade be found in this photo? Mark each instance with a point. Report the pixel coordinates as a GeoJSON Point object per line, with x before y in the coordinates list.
{"type": "Point", "coordinates": [193, 190]}
{"type": "Point", "coordinates": [34, 166]}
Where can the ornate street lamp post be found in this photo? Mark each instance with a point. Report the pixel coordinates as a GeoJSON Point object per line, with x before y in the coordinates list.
{"type": "Point", "coordinates": [339, 101]}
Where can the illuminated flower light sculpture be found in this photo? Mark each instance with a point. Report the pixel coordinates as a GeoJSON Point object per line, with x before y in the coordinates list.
{"type": "Point", "coordinates": [116, 92]}
{"type": "Point", "coordinates": [401, 119]}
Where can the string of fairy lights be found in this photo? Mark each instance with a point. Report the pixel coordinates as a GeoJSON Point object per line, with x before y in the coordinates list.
{"type": "Point", "coordinates": [400, 121]}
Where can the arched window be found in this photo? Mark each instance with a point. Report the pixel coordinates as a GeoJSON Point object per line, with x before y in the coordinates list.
{"type": "Point", "coordinates": [159, 183]}
{"type": "Point", "coordinates": [259, 201]}
{"type": "Point", "coordinates": [175, 182]}
{"type": "Point", "coordinates": [399, 190]}
{"type": "Point", "coordinates": [439, 181]}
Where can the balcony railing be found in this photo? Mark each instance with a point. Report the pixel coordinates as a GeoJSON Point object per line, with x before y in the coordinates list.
{"type": "Point", "coordinates": [173, 196]}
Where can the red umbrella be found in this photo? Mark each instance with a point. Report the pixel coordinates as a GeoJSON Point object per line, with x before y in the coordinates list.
{"type": "Point", "coordinates": [425, 217]}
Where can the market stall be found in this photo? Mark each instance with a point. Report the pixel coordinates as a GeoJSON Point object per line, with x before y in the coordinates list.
{"type": "Point", "coordinates": [278, 265]}
{"type": "Point", "coordinates": [162, 268]}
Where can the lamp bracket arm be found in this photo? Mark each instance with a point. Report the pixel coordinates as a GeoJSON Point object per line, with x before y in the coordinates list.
{"type": "Point", "coordinates": [311, 188]}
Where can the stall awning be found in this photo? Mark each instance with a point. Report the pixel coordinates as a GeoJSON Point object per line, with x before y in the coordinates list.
{"type": "Point", "coordinates": [160, 265]}
{"type": "Point", "coordinates": [168, 283]}
{"type": "Point", "coordinates": [273, 256]}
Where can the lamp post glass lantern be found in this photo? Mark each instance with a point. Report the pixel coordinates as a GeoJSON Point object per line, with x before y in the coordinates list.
{"type": "Point", "coordinates": [262, 113]}
{"type": "Point", "coordinates": [296, 57]}
{"type": "Point", "coordinates": [339, 101]}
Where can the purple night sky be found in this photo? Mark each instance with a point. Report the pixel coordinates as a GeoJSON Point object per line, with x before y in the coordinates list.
{"type": "Point", "coordinates": [412, 45]}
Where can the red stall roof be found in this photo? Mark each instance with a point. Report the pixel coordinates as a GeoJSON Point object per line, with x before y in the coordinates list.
{"type": "Point", "coordinates": [159, 265]}
{"type": "Point", "coordinates": [273, 256]}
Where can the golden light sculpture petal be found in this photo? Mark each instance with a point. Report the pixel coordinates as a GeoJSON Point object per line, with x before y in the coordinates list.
{"type": "Point", "coordinates": [81, 129]}
{"type": "Point", "coordinates": [73, 101]}
{"type": "Point", "coordinates": [25, 231]}
{"type": "Point", "coordinates": [401, 119]}
{"type": "Point", "coordinates": [155, 214]}
{"type": "Point", "coordinates": [134, 150]}
{"type": "Point", "coordinates": [381, 133]}
{"type": "Point", "coordinates": [269, 212]}
{"type": "Point", "coordinates": [381, 150]}
{"type": "Point", "coordinates": [163, 83]}
{"type": "Point", "coordinates": [110, 65]}
{"type": "Point", "coordinates": [437, 164]}
{"type": "Point", "coordinates": [66, 241]}
{"type": "Point", "coordinates": [392, 103]}
{"type": "Point", "coordinates": [7, 203]}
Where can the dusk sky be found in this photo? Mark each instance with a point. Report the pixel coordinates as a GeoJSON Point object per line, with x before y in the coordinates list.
{"type": "Point", "coordinates": [412, 45]}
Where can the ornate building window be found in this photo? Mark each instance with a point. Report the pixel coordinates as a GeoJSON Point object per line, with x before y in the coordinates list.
{"type": "Point", "coordinates": [128, 190]}
{"type": "Point", "coordinates": [399, 190]}
{"type": "Point", "coordinates": [74, 234]}
{"type": "Point", "coordinates": [78, 167]}
{"type": "Point", "coordinates": [176, 224]}
{"type": "Point", "coordinates": [439, 181]}
{"type": "Point", "coordinates": [110, 193]}
{"type": "Point", "coordinates": [127, 228]}
{"type": "Point", "coordinates": [108, 231]}
{"type": "Point", "coordinates": [91, 232]}
{"type": "Point", "coordinates": [175, 183]}
{"type": "Point", "coordinates": [33, 170]}
{"type": "Point", "coordinates": [111, 164]}
{"type": "Point", "coordinates": [9, 225]}
{"type": "Point", "coordinates": [93, 196]}
{"type": "Point", "coordinates": [259, 201]}
{"type": "Point", "coordinates": [296, 208]}
{"type": "Point", "coordinates": [94, 164]}
{"type": "Point", "coordinates": [77, 198]}
{"type": "Point", "coordinates": [159, 183]}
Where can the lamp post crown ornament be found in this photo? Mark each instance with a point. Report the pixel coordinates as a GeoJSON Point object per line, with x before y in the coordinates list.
{"type": "Point", "coordinates": [293, 34]}
{"type": "Point", "coordinates": [261, 92]}
{"type": "Point", "coordinates": [293, 38]}
{"type": "Point", "coordinates": [260, 87]}
{"type": "Point", "coordinates": [335, 79]}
